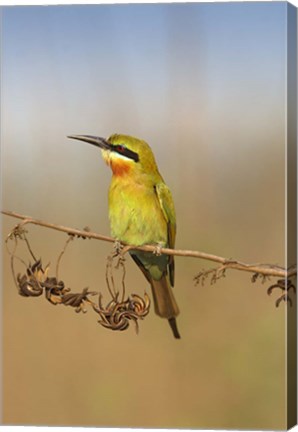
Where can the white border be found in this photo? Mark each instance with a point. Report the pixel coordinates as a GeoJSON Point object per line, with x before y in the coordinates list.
{"type": "Point", "coordinates": [70, 2]}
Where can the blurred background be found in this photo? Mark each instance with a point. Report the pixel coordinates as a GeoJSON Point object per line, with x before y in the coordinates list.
{"type": "Point", "coordinates": [204, 85]}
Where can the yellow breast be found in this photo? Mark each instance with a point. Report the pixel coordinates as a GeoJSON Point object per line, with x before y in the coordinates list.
{"type": "Point", "coordinates": [135, 213]}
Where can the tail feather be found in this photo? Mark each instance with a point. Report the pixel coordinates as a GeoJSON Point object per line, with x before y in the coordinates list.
{"type": "Point", "coordinates": [164, 302]}
{"type": "Point", "coordinates": [173, 325]}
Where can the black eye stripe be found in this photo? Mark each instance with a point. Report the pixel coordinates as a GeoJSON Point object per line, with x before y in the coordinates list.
{"type": "Point", "coordinates": [121, 149]}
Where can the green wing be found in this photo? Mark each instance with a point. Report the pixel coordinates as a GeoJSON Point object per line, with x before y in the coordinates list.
{"type": "Point", "coordinates": [167, 205]}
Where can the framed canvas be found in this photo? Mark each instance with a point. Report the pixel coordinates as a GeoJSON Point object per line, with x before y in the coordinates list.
{"type": "Point", "coordinates": [191, 175]}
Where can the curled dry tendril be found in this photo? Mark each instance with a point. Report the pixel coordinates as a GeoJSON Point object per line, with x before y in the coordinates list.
{"type": "Point", "coordinates": [120, 310]}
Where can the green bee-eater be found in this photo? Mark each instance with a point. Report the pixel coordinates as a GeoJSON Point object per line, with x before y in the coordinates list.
{"type": "Point", "coordinates": [141, 211]}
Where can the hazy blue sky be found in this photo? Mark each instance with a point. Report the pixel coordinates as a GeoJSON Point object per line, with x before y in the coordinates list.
{"type": "Point", "coordinates": [190, 77]}
{"type": "Point", "coordinates": [118, 65]}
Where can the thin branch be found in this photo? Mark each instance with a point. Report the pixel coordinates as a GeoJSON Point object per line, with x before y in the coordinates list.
{"type": "Point", "coordinates": [264, 269]}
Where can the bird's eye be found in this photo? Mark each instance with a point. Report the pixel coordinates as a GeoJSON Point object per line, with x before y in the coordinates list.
{"type": "Point", "coordinates": [120, 148]}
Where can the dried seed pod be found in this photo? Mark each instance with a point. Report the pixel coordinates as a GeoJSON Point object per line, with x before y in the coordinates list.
{"type": "Point", "coordinates": [139, 305]}
{"type": "Point", "coordinates": [77, 300]}
{"type": "Point", "coordinates": [118, 315]}
{"type": "Point", "coordinates": [285, 285]}
{"type": "Point", "coordinates": [29, 287]}
{"type": "Point", "coordinates": [54, 289]}
{"type": "Point", "coordinates": [30, 283]}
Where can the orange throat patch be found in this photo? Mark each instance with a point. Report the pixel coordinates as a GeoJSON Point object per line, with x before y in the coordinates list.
{"type": "Point", "coordinates": [118, 165]}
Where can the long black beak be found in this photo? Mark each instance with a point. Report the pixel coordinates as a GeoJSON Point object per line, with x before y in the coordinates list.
{"type": "Point", "coordinates": [97, 141]}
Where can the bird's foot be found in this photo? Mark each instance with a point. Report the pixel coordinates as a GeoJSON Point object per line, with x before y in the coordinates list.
{"type": "Point", "coordinates": [157, 250]}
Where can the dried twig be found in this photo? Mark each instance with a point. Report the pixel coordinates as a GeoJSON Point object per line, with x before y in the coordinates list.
{"type": "Point", "coordinates": [70, 238]}
{"type": "Point", "coordinates": [262, 269]}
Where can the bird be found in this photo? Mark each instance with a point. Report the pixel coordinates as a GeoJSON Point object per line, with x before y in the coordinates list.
{"type": "Point", "coordinates": [141, 211]}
